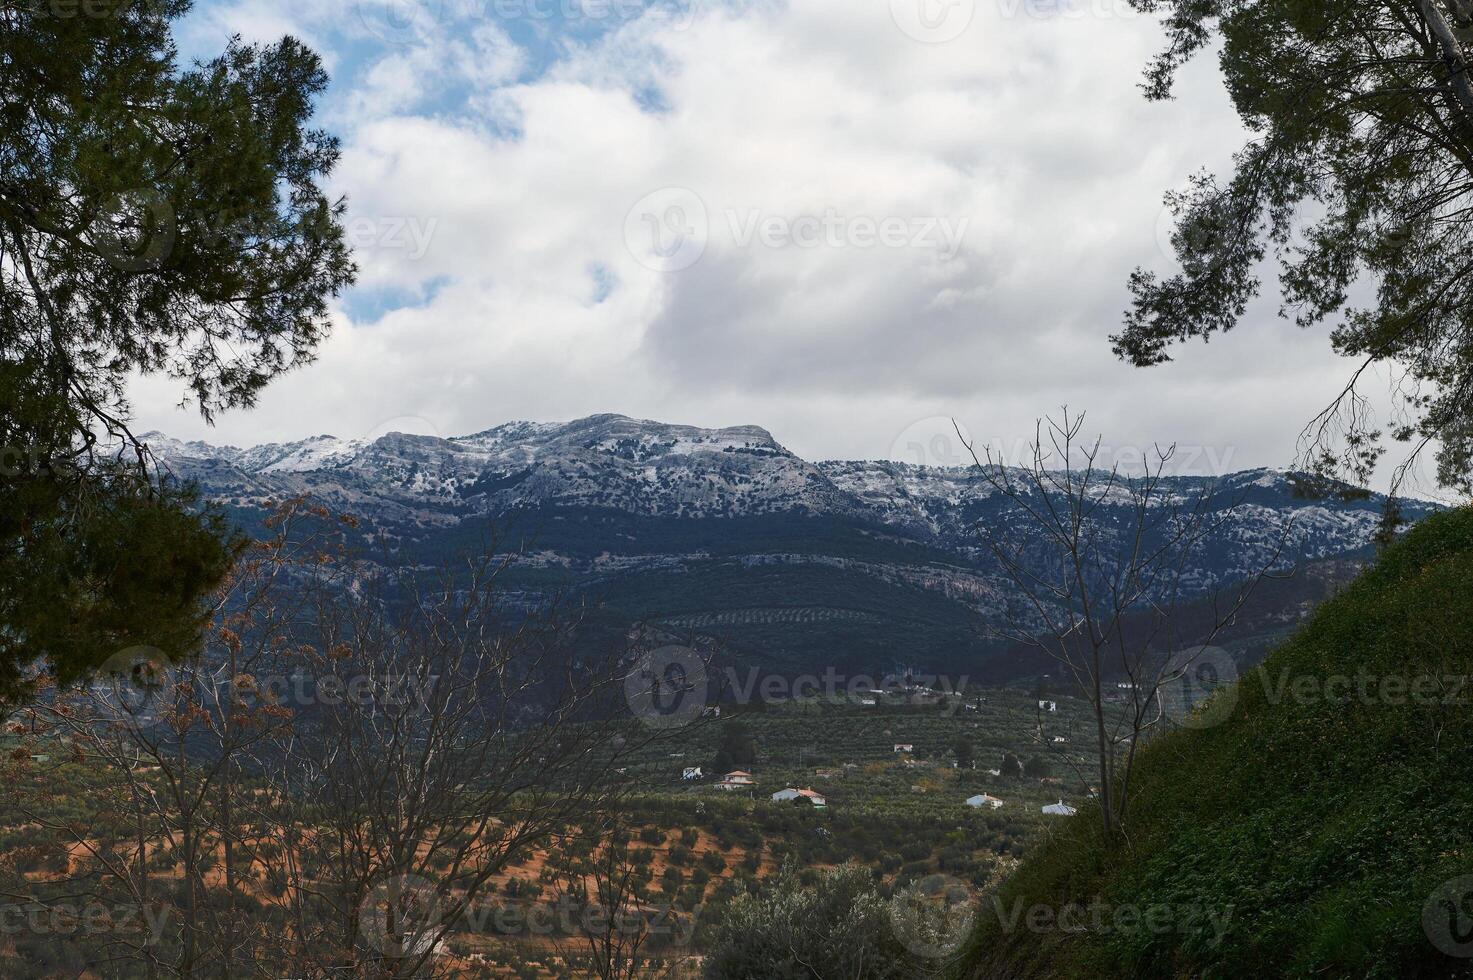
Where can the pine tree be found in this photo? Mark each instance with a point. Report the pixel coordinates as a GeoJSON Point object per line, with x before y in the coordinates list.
{"type": "Point", "coordinates": [1360, 169]}
{"type": "Point", "coordinates": [154, 219]}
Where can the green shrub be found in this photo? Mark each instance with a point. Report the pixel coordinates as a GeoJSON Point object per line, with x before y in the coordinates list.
{"type": "Point", "coordinates": [838, 927]}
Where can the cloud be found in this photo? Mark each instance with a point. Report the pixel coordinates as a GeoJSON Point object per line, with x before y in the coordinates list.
{"type": "Point", "coordinates": [869, 229]}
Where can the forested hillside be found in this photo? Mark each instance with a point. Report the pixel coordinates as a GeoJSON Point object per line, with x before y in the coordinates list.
{"type": "Point", "coordinates": [1320, 830]}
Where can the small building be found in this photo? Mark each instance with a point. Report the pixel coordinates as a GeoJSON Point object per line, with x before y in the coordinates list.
{"type": "Point", "coordinates": [1059, 740]}
{"type": "Point", "coordinates": [791, 795]}
{"type": "Point", "coordinates": [1059, 809]}
{"type": "Point", "coordinates": [904, 747]}
{"type": "Point", "coordinates": [867, 702]}
{"type": "Point", "coordinates": [691, 772]}
{"type": "Point", "coordinates": [1052, 707]}
{"type": "Point", "coordinates": [739, 779]}
{"type": "Point", "coordinates": [982, 799]}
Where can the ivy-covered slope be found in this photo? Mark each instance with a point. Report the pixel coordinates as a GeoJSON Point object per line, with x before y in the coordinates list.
{"type": "Point", "coordinates": [1319, 831]}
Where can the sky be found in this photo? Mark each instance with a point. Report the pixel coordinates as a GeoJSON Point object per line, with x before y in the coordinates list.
{"type": "Point", "coordinates": [846, 221]}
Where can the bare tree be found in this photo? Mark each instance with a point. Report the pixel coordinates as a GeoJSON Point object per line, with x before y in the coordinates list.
{"type": "Point", "coordinates": [448, 738]}
{"type": "Point", "coordinates": [171, 749]}
{"type": "Point", "coordinates": [335, 784]}
{"type": "Point", "coordinates": [1102, 565]}
{"type": "Point", "coordinates": [623, 934]}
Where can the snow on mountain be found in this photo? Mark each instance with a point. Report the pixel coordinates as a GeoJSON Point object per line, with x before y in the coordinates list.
{"type": "Point", "coordinates": [606, 461]}
{"type": "Point", "coordinates": [654, 469]}
{"type": "Point", "coordinates": [803, 562]}
{"type": "Point", "coordinates": [699, 482]}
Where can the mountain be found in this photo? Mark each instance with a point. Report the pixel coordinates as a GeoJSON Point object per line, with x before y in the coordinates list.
{"type": "Point", "coordinates": [725, 533]}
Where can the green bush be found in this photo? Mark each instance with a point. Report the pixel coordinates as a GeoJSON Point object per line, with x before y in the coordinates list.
{"type": "Point", "coordinates": [837, 928]}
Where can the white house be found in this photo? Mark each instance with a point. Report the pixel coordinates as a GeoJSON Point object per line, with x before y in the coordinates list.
{"type": "Point", "coordinates": [983, 799]}
{"type": "Point", "coordinates": [1060, 809]}
{"type": "Point", "coordinates": [904, 747]}
{"type": "Point", "coordinates": [1050, 706]}
{"type": "Point", "coordinates": [1059, 739]}
{"type": "Point", "coordinates": [789, 794]}
{"type": "Point", "coordinates": [691, 772]}
{"type": "Point", "coordinates": [867, 702]}
{"type": "Point", "coordinates": [739, 779]}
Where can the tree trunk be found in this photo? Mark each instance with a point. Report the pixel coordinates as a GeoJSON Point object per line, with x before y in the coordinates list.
{"type": "Point", "coordinates": [1452, 53]}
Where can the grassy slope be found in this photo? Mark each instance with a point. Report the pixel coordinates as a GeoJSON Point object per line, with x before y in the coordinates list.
{"type": "Point", "coordinates": [1323, 827]}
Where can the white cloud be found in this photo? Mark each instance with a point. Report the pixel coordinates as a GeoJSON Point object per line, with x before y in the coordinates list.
{"type": "Point", "coordinates": [1027, 130]}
